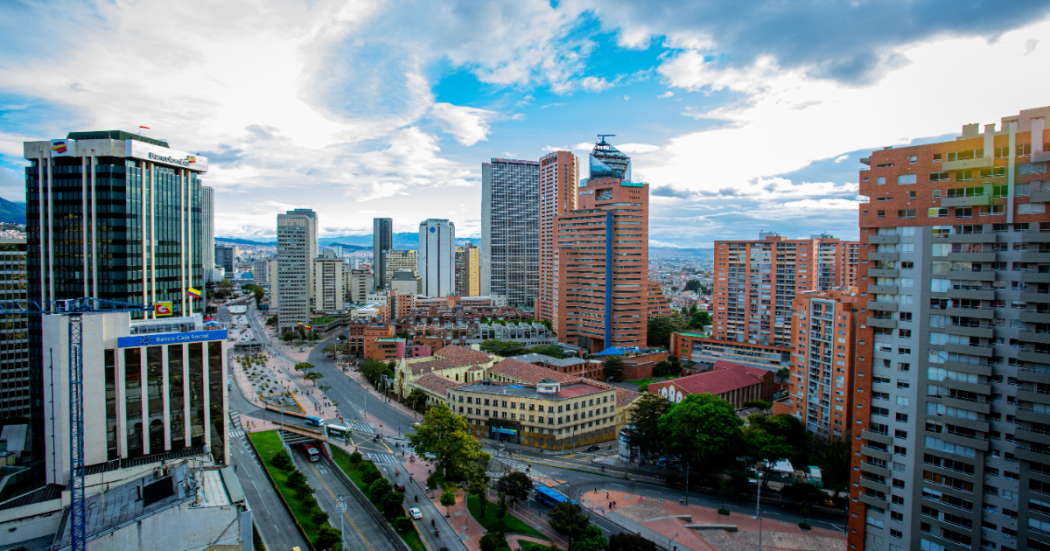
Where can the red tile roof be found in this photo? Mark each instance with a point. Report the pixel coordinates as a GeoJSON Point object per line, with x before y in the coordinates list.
{"type": "Point", "coordinates": [717, 382]}
{"type": "Point", "coordinates": [436, 383]}
{"type": "Point", "coordinates": [463, 354]}
{"type": "Point", "coordinates": [579, 389]}
{"type": "Point", "coordinates": [448, 358]}
{"type": "Point", "coordinates": [529, 373]}
{"type": "Point", "coordinates": [756, 371]}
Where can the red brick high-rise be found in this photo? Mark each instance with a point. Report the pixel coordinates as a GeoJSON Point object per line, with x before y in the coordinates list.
{"type": "Point", "coordinates": [603, 256]}
{"type": "Point", "coordinates": [559, 188]}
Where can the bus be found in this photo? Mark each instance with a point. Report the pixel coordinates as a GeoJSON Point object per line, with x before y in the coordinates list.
{"type": "Point", "coordinates": [314, 421]}
{"type": "Point", "coordinates": [313, 453]}
{"type": "Point", "coordinates": [549, 497]}
{"type": "Point", "coordinates": [337, 431]}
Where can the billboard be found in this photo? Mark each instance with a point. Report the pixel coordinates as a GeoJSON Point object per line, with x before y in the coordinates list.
{"type": "Point", "coordinates": [63, 148]}
{"type": "Point", "coordinates": [157, 339]}
{"type": "Point", "coordinates": [165, 156]}
{"type": "Point", "coordinates": [163, 309]}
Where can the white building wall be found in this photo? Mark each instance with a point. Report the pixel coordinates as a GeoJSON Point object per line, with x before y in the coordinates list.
{"type": "Point", "coordinates": [437, 257]}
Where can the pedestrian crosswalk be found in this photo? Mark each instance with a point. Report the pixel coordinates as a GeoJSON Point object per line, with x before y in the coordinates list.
{"type": "Point", "coordinates": [236, 433]}
{"type": "Point", "coordinates": [361, 426]}
{"type": "Point", "coordinates": [382, 458]}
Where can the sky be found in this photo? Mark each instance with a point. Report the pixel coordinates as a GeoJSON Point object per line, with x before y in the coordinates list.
{"type": "Point", "coordinates": [741, 116]}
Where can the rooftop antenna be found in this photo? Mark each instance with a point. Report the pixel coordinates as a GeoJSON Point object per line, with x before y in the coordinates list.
{"type": "Point", "coordinates": [601, 138]}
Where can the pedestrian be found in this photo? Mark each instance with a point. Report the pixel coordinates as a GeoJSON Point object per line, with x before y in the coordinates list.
{"type": "Point", "coordinates": [606, 495]}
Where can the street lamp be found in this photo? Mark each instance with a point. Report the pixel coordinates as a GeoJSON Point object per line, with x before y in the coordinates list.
{"type": "Point", "coordinates": [341, 505]}
{"type": "Point", "coordinates": [670, 541]}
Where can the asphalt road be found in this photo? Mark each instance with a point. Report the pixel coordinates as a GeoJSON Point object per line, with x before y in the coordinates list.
{"type": "Point", "coordinates": [273, 521]}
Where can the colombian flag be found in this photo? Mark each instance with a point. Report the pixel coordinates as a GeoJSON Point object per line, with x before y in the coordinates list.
{"type": "Point", "coordinates": [307, 327]}
{"type": "Point", "coordinates": [193, 292]}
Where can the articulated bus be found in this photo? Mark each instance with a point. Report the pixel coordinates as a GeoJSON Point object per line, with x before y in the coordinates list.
{"type": "Point", "coordinates": [312, 452]}
{"type": "Point", "coordinates": [549, 497]}
{"type": "Point", "coordinates": [337, 431]}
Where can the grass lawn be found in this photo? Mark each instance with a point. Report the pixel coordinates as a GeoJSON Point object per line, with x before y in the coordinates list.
{"type": "Point", "coordinates": [268, 444]}
{"type": "Point", "coordinates": [356, 472]}
{"type": "Point", "coordinates": [642, 383]}
{"type": "Point", "coordinates": [512, 524]}
{"type": "Point", "coordinates": [413, 541]}
{"type": "Point", "coordinates": [531, 546]}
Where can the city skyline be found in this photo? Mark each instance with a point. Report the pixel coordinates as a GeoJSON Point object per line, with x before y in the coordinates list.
{"type": "Point", "coordinates": [409, 147]}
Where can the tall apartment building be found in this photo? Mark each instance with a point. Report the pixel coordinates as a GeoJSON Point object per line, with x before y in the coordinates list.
{"type": "Point", "coordinates": [837, 262]}
{"type": "Point", "coordinates": [468, 272]}
{"type": "Point", "coordinates": [14, 332]}
{"type": "Point", "coordinates": [756, 280]}
{"type": "Point", "coordinates": [437, 257]}
{"type": "Point", "coordinates": [823, 334]}
{"type": "Point", "coordinates": [224, 258]}
{"type": "Point", "coordinates": [510, 239]}
{"type": "Point", "coordinates": [329, 283]}
{"type": "Point", "coordinates": [208, 231]}
{"type": "Point", "coordinates": [261, 271]}
{"type": "Point", "coordinates": [400, 259]}
{"type": "Point", "coordinates": [296, 249]}
{"type": "Point", "coordinates": [953, 369]}
{"type": "Point", "coordinates": [603, 257]}
{"type": "Point", "coordinates": [559, 189]}
{"type": "Point", "coordinates": [110, 215]}
{"type": "Point", "coordinates": [382, 241]}
{"type": "Point", "coordinates": [359, 285]}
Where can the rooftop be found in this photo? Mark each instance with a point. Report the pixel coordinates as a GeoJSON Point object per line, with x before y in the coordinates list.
{"type": "Point", "coordinates": [113, 135]}
{"type": "Point", "coordinates": [532, 358]}
{"type": "Point", "coordinates": [529, 373]}
{"type": "Point", "coordinates": [567, 391]}
{"type": "Point", "coordinates": [436, 383]}
{"type": "Point", "coordinates": [721, 380]}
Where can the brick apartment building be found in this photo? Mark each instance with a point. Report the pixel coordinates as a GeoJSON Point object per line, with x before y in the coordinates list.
{"type": "Point", "coordinates": [657, 302]}
{"type": "Point", "coordinates": [559, 186]}
{"type": "Point", "coordinates": [953, 358]}
{"type": "Point", "coordinates": [603, 254]}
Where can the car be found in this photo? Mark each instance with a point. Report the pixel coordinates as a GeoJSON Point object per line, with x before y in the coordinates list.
{"type": "Point", "coordinates": [594, 448]}
{"type": "Point", "coordinates": [399, 487]}
{"type": "Point", "coordinates": [416, 513]}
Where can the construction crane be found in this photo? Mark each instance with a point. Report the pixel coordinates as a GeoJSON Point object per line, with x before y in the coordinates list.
{"type": "Point", "coordinates": [76, 309]}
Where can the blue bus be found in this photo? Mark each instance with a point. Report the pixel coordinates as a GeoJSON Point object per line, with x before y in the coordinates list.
{"type": "Point", "coordinates": [315, 421]}
{"type": "Point", "coordinates": [549, 497]}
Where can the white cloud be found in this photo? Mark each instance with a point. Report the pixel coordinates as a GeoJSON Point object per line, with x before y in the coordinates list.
{"type": "Point", "coordinates": [468, 124]}
{"type": "Point", "coordinates": [666, 94]}
{"type": "Point", "coordinates": [636, 148]}
{"type": "Point", "coordinates": [841, 158]}
{"type": "Point", "coordinates": [595, 84]}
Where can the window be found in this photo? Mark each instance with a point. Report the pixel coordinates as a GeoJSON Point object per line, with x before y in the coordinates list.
{"type": "Point", "coordinates": [881, 214]}
{"type": "Point", "coordinates": [1031, 208]}
{"type": "Point", "coordinates": [937, 213]}
{"type": "Point", "coordinates": [1002, 153]}
{"type": "Point", "coordinates": [881, 180]}
{"type": "Point", "coordinates": [911, 195]}
{"type": "Point", "coordinates": [939, 177]}
{"type": "Point", "coordinates": [902, 417]}
{"type": "Point", "coordinates": [1000, 191]}
{"type": "Point", "coordinates": [1023, 150]}
{"type": "Point", "coordinates": [906, 213]}
{"type": "Point", "coordinates": [964, 175]}
{"type": "Point", "coordinates": [937, 157]}
{"type": "Point", "coordinates": [913, 160]}
{"type": "Point", "coordinates": [936, 193]}
{"type": "Point", "coordinates": [993, 172]}
{"type": "Point", "coordinates": [992, 210]}
{"type": "Point", "coordinates": [964, 212]}
{"type": "Point", "coordinates": [904, 179]}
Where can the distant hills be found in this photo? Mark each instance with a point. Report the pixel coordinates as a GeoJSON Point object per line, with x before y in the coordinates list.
{"type": "Point", "coordinates": [407, 240]}
{"type": "Point", "coordinates": [12, 213]}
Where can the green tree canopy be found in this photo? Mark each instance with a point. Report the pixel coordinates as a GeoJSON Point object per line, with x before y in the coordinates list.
{"type": "Point", "coordinates": [516, 485]}
{"type": "Point", "coordinates": [614, 368]}
{"type": "Point", "coordinates": [568, 520]}
{"type": "Point", "coordinates": [304, 366]}
{"type": "Point", "coordinates": [590, 540]}
{"type": "Point", "coordinates": [379, 488]}
{"type": "Point", "coordinates": [551, 350]}
{"type": "Point", "coordinates": [703, 428]}
{"type": "Point", "coordinates": [493, 541]}
{"type": "Point", "coordinates": [445, 435]}
{"type": "Point", "coordinates": [448, 499]}
{"type": "Point", "coordinates": [645, 421]}
{"type": "Point", "coordinates": [625, 541]}
{"type": "Point", "coordinates": [505, 349]}
{"type": "Point", "coordinates": [313, 376]}
{"type": "Point", "coordinates": [416, 399]}
{"type": "Point", "coordinates": [698, 319]}
{"type": "Point", "coordinates": [327, 537]}
{"type": "Point", "coordinates": [660, 329]}
{"type": "Point", "coordinates": [692, 285]}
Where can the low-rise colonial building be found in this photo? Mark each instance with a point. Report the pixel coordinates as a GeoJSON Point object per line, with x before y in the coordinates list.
{"type": "Point", "coordinates": [457, 363]}
{"type": "Point", "coordinates": [736, 384]}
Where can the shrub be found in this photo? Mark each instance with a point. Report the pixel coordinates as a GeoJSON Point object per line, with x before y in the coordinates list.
{"type": "Point", "coordinates": [804, 526]}
{"type": "Point", "coordinates": [283, 461]}
{"type": "Point", "coordinates": [309, 502]}
{"type": "Point", "coordinates": [402, 524]}
{"type": "Point", "coordinates": [355, 458]}
{"type": "Point", "coordinates": [493, 541]}
{"type": "Point", "coordinates": [371, 475]}
{"type": "Point", "coordinates": [297, 480]}
{"type": "Point", "coordinates": [723, 512]}
{"type": "Point", "coordinates": [319, 517]}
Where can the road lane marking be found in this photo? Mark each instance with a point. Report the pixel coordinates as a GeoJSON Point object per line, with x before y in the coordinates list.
{"type": "Point", "coordinates": [352, 523]}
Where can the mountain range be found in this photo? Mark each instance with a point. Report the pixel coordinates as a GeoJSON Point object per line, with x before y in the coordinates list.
{"type": "Point", "coordinates": [407, 240]}
{"type": "Point", "coordinates": [12, 213]}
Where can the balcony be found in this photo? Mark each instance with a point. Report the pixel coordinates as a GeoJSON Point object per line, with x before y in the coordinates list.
{"type": "Point", "coordinates": [876, 437]}
{"type": "Point", "coordinates": [971, 257]}
{"type": "Point", "coordinates": [1035, 277]}
{"type": "Point", "coordinates": [882, 289]}
{"type": "Point", "coordinates": [979, 407]}
{"type": "Point", "coordinates": [876, 453]}
{"type": "Point", "coordinates": [974, 294]}
{"type": "Point", "coordinates": [983, 351]}
{"type": "Point", "coordinates": [884, 323]}
{"type": "Point", "coordinates": [966, 275]}
{"type": "Point", "coordinates": [971, 237]}
{"type": "Point", "coordinates": [977, 162]}
{"type": "Point", "coordinates": [1033, 317]}
{"type": "Point", "coordinates": [1033, 397]}
{"type": "Point", "coordinates": [982, 332]}
{"type": "Point", "coordinates": [977, 443]}
{"type": "Point", "coordinates": [1032, 336]}
{"type": "Point", "coordinates": [1034, 454]}
{"type": "Point", "coordinates": [973, 201]}
{"type": "Point", "coordinates": [1036, 297]}
{"type": "Point", "coordinates": [872, 468]}
{"type": "Point", "coordinates": [1035, 257]}
{"type": "Point", "coordinates": [1033, 355]}
{"type": "Point", "coordinates": [1033, 375]}
{"type": "Point", "coordinates": [882, 272]}
{"type": "Point", "coordinates": [874, 485]}
{"type": "Point", "coordinates": [873, 257]}
{"type": "Point", "coordinates": [1036, 236]}
{"type": "Point", "coordinates": [884, 239]}
{"type": "Point", "coordinates": [976, 369]}
{"type": "Point", "coordinates": [1032, 435]}
{"type": "Point", "coordinates": [1039, 196]}
{"type": "Point", "coordinates": [882, 306]}
{"type": "Point", "coordinates": [979, 313]}
{"type": "Point", "coordinates": [976, 388]}
{"type": "Point", "coordinates": [871, 500]}
{"type": "Point", "coordinates": [1041, 157]}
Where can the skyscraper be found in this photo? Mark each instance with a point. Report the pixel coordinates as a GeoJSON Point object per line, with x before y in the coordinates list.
{"type": "Point", "coordinates": [14, 347]}
{"type": "Point", "coordinates": [952, 387]}
{"type": "Point", "coordinates": [110, 215]}
{"type": "Point", "coordinates": [468, 272]}
{"type": "Point", "coordinates": [208, 231]}
{"type": "Point", "coordinates": [437, 260]}
{"type": "Point", "coordinates": [559, 189]}
{"type": "Point", "coordinates": [382, 241]}
{"type": "Point", "coordinates": [400, 259]}
{"type": "Point", "coordinates": [510, 240]}
{"type": "Point", "coordinates": [224, 254]}
{"type": "Point", "coordinates": [603, 257]}
{"type": "Point", "coordinates": [329, 283]}
{"type": "Point", "coordinates": [296, 250]}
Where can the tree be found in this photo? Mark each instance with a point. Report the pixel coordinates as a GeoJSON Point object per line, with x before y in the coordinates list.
{"type": "Point", "coordinates": [551, 350]}
{"type": "Point", "coordinates": [330, 350]}
{"type": "Point", "coordinates": [625, 541]}
{"type": "Point", "coordinates": [645, 420]}
{"type": "Point", "coordinates": [319, 517]}
{"type": "Point", "coordinates": [375, 372]}
{"type": "Point", "coordinates": [445, 435]}
{"type": "Point", "coordinates": [501, 508]}
{"type": "Point", "coordinates": [493, 541]}
{"type": "Point", "coordinates": [698, 319]}
{"type": "Point", "coordinates": [702, 427]}
{"type": "Point", "coordinates": [282, 460]}
{"type": "Point", "coordinates": [378, 489]}
{"type": "Point", "coordinates": [516, 485]}
{"type": "Point", "coordinates": [304, 366]}
{"type": "Point", "coordinates": [783, 373]}
{"type": "Point", "coordinates": [314, 376]}
{"type": "Point", "coordinates": [568, 520]}
{"type": "Point", "coordinates": [804, 493]}
{"type": "Point", "coordinates": [297, 479]}
{"type": "Point", "coordinates": [758, 404]}
{"type": "Point", "coordinates": [327, 537]}
{"type": "Point", "coordinates": [271, 321]}
{"type": "Point", "coordinates": [692, 285]}
{"type": "Point", "coordinates": [660, 329]}
{"type": "Point", "coordinates": [674, 367]}
{"type": "Point", "coordinates": [417, 399]}
{"type": "Point", "coordinates": [392, 504]}
{"type": "Point", "coordinates": [661, 369]}
{"type": "Point", "coordinates": [448, 499]}
{"type": "Point", "coordinates": [762, 446]}
{"type": "Point", "coordinates": [590, 540]}
{"type": "Point", "coordinates": [614, 368]}
{"type": "Point", "coordinates": [505, 349]}
{"type": "Point", "coordinates": [478, 486]}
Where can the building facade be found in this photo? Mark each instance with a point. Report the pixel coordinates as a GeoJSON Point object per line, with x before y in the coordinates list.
{"type": "Point", "coordinates": [130, 208]}
{"type": "Point", "coordinates": [208, 231]}
{"type": "Point", "coordinates": [736, 384]}
{"type": "Point", "coordinates": [704, 351]}
{"type": "Point", "coordinates": [468, 271]}
{"type": "Point", "coordinates": [437, 257]}
{"type": "Point", "coordinates": [14, 332]}
{"type": "Point", "coordinates": [510, 210]}
{"type": "Point", "coordinates": [224, 254]}
{"type": "Point", "coordinates": [329, 284]}
{"type": "Point", "coordinates": [400, 259]}
{"type": "Point", "coordinates": [559, 192]}
{"type": "Point", "coordinates": [382, 241]}
{"type": "Point", "coordinates": [603, 256]}
{"type": "Point", "coordinates": [359, 285]}
{"type": "Point", "coordinates": [296, 249]}
{"type": "Point", "coordinates": [952, 387]}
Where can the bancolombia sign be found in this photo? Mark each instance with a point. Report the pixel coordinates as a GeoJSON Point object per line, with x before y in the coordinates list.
{"type": "Point", "coordinates": [165, 156]}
